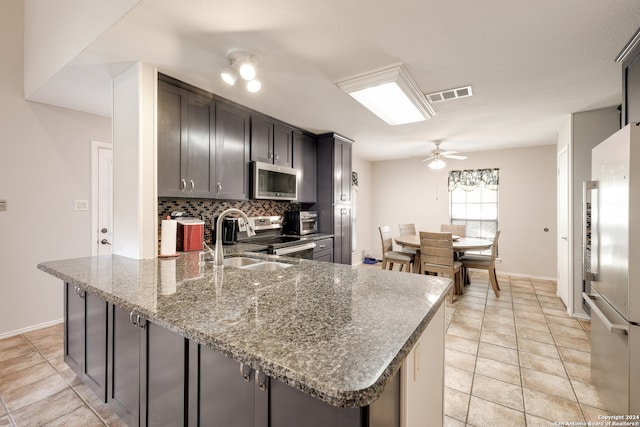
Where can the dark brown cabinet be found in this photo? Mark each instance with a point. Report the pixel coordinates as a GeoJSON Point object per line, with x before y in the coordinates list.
{"type": "Point", "coordinates": [334, 193]}
{"type": "Point", "coordinates": [185, 150]}
{"type": "Point", "coordinates": [203, 145]}
{"type": "Point", "coordinates": [85, 338]}
{"type": "Point", "coordinates": [305, 161]}
{"type": "Point", "coordinates": [147, 371]}
{"type": "Point", "coordinates": [270, 142]}
{"type": "Point", "coordinates": [323, 250]}
{"type": "Point", "coordinates": [630, 58]}
{"type": "Point", "coordinates": [231, 153]}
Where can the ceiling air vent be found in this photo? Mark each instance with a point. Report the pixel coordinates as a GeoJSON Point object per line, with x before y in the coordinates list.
{"type": "Point", "coordinates": [446, 95]}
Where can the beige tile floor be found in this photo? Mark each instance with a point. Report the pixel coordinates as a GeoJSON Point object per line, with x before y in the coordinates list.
{"type": "Point", "coordinates": [517, 360]}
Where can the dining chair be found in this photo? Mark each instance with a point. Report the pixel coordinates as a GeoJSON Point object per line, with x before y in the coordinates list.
{"type": "Point", "coordinates": [455, 229]}
{"type": "Point", "coordinates": [436, 256]}
{"type": "Point", "coordinates": [408, 230]}
{"type": "Point", "coordinates": [389, 256]}
{"type": "Point", "coordinates": [485, 262]}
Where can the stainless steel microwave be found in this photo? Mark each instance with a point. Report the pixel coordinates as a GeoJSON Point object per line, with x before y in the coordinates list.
{"type": "Point", "coordinates": [274, 182]}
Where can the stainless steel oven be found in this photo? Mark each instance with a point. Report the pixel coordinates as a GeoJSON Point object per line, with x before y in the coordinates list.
{"type": "Point", "coordinates": [302, 250]}
{"type": "Point", "coordinates": [269, 233]}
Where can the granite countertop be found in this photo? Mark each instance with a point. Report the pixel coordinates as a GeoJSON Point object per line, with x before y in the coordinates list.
{"type": "Point", "coordinates": [336, 332]}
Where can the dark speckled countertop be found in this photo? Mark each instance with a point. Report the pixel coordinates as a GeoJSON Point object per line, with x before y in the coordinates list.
{"type": "Point", "coordinates": [336, 332]}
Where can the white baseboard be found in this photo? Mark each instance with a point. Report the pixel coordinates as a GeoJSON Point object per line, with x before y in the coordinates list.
{"type": "Point", "coordinates": [30, 328]}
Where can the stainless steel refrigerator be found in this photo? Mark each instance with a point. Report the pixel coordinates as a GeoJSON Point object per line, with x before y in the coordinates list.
{"type": "Point", "coordinates": [612, 264]}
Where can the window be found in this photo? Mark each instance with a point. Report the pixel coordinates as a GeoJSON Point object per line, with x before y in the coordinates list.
{"type": "Point", "coordinates": [473, 198]}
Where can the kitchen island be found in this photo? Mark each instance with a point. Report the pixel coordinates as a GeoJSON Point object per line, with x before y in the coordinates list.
{"type": "Point", "coordinates": [324, 344]}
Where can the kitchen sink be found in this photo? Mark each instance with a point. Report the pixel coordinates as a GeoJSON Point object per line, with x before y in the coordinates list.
{"type": "Point", "coordinates": [267, 266]}
{"type": "Point", "coordinates": [255, 264]}
{"type": "Point", "coordinates": [240, 261]}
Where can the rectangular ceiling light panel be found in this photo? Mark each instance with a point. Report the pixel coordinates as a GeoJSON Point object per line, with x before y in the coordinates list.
{"type": "Point", "coordinates": [390, 94]}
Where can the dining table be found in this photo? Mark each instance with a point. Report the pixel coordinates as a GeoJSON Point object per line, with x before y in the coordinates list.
{"type": "Point", "coordinates": [460, 244]}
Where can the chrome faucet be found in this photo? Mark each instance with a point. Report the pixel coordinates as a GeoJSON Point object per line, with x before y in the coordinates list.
{"type": "Point", "coordinates": [219, 255]}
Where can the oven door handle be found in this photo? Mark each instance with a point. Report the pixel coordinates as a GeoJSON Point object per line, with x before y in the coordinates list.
{"type": "Point", "coordinates": [292, 249]}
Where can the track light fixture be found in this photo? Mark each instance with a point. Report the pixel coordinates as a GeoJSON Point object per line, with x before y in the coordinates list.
{"type": "Point", "coordinates": [241, 64]}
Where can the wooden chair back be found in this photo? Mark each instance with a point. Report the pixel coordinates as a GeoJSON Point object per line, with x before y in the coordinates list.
{"type": "Point", "coordinates": [436, 251]}
{"type": "Point", "coordinates": [457, 229]}
{"type": "Point", "coordinates": [386, 238]}
{"type": "Point", "coordinates": [407, 229]}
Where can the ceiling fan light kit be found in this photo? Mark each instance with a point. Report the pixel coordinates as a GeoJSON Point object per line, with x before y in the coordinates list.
{"type": "Point", "coordinates": [241, 64]}
{"type": "Point", "coordinates": [391, 94]}
{"type": "Point", "coordinates": [437, 155]}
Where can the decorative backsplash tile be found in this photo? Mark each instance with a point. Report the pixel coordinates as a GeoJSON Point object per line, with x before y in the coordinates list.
{"type": "Point", "coordinates": [208, 210]}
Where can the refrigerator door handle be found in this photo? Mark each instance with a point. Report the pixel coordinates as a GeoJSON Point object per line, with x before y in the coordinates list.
{"type": "Point", "coordinates": [590, 262]}
{"type": "Point", "coordinates": [612, 327]}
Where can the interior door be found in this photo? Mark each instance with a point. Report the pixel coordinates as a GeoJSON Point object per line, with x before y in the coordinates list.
{"type": "Point", "coordinates": [563, 287]}
{"type": "Point", "coordinates": [102, 197]}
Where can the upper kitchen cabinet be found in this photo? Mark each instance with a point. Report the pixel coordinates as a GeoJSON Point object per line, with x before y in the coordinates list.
{"type": "Point", "coordinates": [304, 160]}
{"type": "Point", "coordinates": [203, 144]}
{"type": "Point", "coordinates": [231, 171]}
{"type": "Point", "coordinates": [270, 142]}
{"type": "Point", "coordinates": [184, 142]}
{"type": "Point", "coordinates": [630, 58]}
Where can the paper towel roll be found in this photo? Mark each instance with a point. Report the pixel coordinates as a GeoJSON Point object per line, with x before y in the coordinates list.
{"type": "Point", "coordinates": [168, 231]}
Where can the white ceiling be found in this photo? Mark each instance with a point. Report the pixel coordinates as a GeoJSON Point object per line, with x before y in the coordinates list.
{"type": "Point", "coordinates": [530, 63]}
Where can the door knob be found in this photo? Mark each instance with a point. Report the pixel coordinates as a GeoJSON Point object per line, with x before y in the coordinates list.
{"type": "Point", "coordinates": [105, 242]}
{"type": "Point", "coordinates": [103, 230]}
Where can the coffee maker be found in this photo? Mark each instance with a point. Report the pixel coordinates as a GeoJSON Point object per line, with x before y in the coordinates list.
{"type": "Point", "coordinates": [229, 230]}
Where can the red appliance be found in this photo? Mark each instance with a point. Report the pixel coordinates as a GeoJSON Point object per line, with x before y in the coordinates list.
{"type": "Point", "coordinates": [190, 234]}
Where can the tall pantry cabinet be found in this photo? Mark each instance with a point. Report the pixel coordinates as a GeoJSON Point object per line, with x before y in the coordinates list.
{"type": "Point", "coordinates": [334, 204]}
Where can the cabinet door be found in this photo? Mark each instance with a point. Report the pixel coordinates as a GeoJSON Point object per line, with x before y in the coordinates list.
{"type": "Point", "coordinates": [282, 145]}
{"type": "Point", "coordinates": [200, 149]}
{"type": "Point", "coordinates": [74, 328]}
{"type": "Point", "coordinates": [124, 393]}
{"type": "Point", "coordinates": [289, 407]}
{"type": "Point", "coordinates": [172, 140]}
{"type": "Point", "coordinates": [95, 366]}
{"type": "Point", "coordinates": [261, 140]}
{"type": "Point", "coordinates": [225, 398]}
{"type": "Point", "coordinates": [632, 90]}
{"type": "Point", "coordinates": [166, 361]}
{"type": "Point", "coordinates": [304, 159]}
{"type": "Point", "coordinates": [324, 256]}
{"type": "Point", "coordinates": [342, 235]}
{"type": "Point", "coordinates": [342, 162]}
{"type": "Point", "coordinates": [232, 153]}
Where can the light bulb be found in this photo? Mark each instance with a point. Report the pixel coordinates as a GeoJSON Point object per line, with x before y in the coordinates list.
{"type": "Point", "coordinates": [437, 164]}
{"type": "Point", "coordinates": [254, 86]}
{"type": "Point", "coordinates": [248, 71]}
{"type": "Point", "coordinates": [229, 76]}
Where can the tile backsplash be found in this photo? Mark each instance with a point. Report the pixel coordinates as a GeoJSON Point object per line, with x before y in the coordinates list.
{"type": "Point", "coordinates": [207, 210]}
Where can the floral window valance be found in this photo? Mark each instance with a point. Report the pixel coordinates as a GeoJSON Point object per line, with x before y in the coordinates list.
{"type": "Point", "coordinates": [471, 179]}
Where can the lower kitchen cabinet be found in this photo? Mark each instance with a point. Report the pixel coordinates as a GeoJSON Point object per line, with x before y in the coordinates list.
{"type": "Point", "coordinates": [85, 338]}
{"type": "Point", "coordinates": [223, 392]}
{"type": "Point", "coordinates": [323, 250]}
{"type": "Point", "coordinates": [147, 381]}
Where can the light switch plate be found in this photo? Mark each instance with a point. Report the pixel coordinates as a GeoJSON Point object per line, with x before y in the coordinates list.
{"type": "Point", "coordinates": [3, 205]}
{"type": "Point", "coordinates": [82, 205]}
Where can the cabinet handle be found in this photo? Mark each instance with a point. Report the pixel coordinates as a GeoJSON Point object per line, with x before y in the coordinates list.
{"type": "Point", "coordinates": [183, 184]}
{"type": "Point", "coordinates": [343, 197]}
{"type": "Point", "coordinates": [79, 292]}
{"type": "Point", "coordinates": [193, 185]}
{"type": "Point", "coordinates": [140, 321]}
{"type": "Point", "coordinates": [133, 322]}
{"type": "Point", "coordinates": [270, 156]}
{"type": "Point", "coordinates": [263, 380]}
{"type": "Point", "coordinates": [323, 246]}
{"type": "Point", "coordinates": [219, 188]}
{"type": "Point", "coordinates": [245, 371]}
{"type": "Point", "coordinates": [277, 156]}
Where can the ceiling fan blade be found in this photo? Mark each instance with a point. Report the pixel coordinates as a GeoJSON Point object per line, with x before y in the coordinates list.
{"type": "Point", "coordinates": [454, 156]}
{"type": "Point", "coordinates": [429, 158]}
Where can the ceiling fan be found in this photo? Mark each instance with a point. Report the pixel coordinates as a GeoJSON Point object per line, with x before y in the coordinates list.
{"type": "Point", "coordinates": [437, 156]}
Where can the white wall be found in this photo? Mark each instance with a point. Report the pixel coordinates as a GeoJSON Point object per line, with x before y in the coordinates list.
{"type": "Point", "coordinates": [407, 191]}
{"type": "Point", "coordinates": [44, 167]}
{"type": "Point", "coordinates": [57, 31]}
